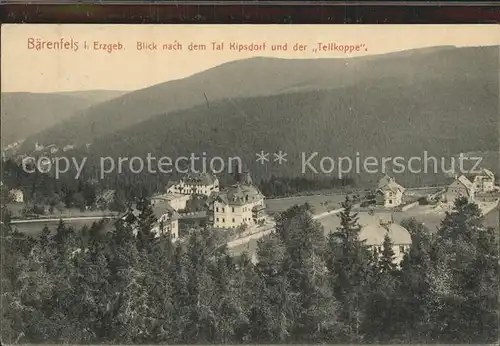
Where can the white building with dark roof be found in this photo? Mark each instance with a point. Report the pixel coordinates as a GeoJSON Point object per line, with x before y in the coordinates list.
{"type": "Point", "coordinates": [389, 193]}
{"type": "Point", "coordinates": [176, 200]}
{"type": "Point", "coordinates": [460, 187]}
{"type": "Point", "coordinates": [484, 181]}
{"type": "Point", "coordinates": [16, 195]}
{"type": "Point", "coordinates": [237, 205]}
{"type": "Point", "coordinates": [195, 183]}
{"type": "Point", "coordinates": [375, 228]}
{"type": "Point", "coordinates": [105, 198]}
{"type": "Point", "coordinates": [166, 220]}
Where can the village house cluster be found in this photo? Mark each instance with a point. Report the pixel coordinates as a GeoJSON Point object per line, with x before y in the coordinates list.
{"type": "Point", "coordinates": [241, 205]}
{"type": "Point", "coordinates": [12, 151]}
{"type": "Point", "coordinates": [237, 205]}
{"type": "Point", "coordinates": [472, 187]}
{"type": "Point", "coordinates": [389, 195]}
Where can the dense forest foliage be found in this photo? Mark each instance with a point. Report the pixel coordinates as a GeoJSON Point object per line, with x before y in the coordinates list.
{"type": "Point", "coordinates": [41, 189]}
{"type": "Point", "coordinates": [93, 285]}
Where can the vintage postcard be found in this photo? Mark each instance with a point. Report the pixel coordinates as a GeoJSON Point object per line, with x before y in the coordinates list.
{"type": "Point", "coordinates": [216, 184]}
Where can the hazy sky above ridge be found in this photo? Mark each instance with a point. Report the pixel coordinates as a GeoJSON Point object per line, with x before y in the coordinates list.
{"type": "Point", "coordinates": [31, 70]}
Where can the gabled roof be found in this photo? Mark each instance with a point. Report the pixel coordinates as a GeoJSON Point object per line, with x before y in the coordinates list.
{"type": "Point", "coordinates": [373, 229]}
{"type": "Point", "coordinates": [168, 196]}
{"type": "Point", "coordinates": [388, 183]}
{"type": "Point", "coordinates": [393, 186]}
{"type": "Point", "coordinates": [237, 195]}
{"type": "Point", "coordinates": [484, 173]}
{"type": "Point", "coordinates": [373, 234]}
{"type": "Point", "coordinates": [129, 216]}
{"type": "Point", "coordinates": [464, 181]}
{"type": "Point", "coordinates": [488, 173]}
{"type": "Point", "coordinates": [170, 184]}
{"type": "Point", "coordinates": [163, 207]}
{"type": "Point", "coordinates": [199, 179]}
{"type": "Point", "coordinates": [384, 181]}
{"type": "Point", "coordinates": [107, 195]}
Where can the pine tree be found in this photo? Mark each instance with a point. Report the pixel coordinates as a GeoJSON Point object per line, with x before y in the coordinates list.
{"type": "Point", "coordinates": [378, 324]}
{"type": "Point", "coordinates": [462, 223]}
{"type": "Point", "coordinates": [471, 258]}
{"type": "Point", "coordinates": [158, 282]}
{"type": "Point", "coordinates": [227, 304]}
{"type": "Point", "coordinates": [128, 273]}
{"type": "Point", "coordinates": [349, 265]}
{"type": "Point", "coordinates": [146, 221]}
{"type": "Point", "coordinates": [246, 282]}
{"type": "Point", "coordinates": [415, 298]}
{"type": "Point", "coordinates": [387, 264]}
{"type": "Point", "coordinates": [270, 315]}
{"type": "Point", "coordinates": [199, 318]}
{"type": "Point", "coordinates": [180, 296]}
{"type": "Point", "coordinates": [315, 307]}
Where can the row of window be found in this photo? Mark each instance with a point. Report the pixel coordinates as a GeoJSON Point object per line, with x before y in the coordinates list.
{"type": "Point", "coordinates": [224, 220]}
{"type": "Point", "coordinates": [232, 209]}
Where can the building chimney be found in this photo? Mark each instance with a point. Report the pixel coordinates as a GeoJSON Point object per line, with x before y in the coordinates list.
{"type": "Point", "coordinates": [237, 173]}
{"type": "Point", "coordinates": [247, 179]}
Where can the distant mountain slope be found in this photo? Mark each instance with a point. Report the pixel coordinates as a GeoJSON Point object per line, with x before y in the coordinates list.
{"type": "Point", "coordinates": [431, 108]}
{"type": "Point", "coordinates": [269, 76]}
{"type": "Point", "coordinates": [95, 96]}
{"type": "Point", "coordinates": [24, 114]}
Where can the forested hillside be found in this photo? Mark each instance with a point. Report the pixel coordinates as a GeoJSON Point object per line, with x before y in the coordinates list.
{"type": "Point", "coordinates": [468, 71]}
{"type": "Point", "coordinates": [94, 287]}
{"type": "Point", "coordinates": [383, 118]}
{"type": "Point", "coordinates": [25, 114]}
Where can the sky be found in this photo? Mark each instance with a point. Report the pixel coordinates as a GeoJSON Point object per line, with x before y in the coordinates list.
{"type": "Point", "coordinates": [45, 70]}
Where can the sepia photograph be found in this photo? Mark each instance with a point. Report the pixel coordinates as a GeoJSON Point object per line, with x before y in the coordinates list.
{"type": "Point", "coordinates": [250, 184]}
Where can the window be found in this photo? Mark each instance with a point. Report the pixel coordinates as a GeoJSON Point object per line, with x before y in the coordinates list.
{"type": "Point", "coordinates": [233, 219]}
{"type": "Point", "coordinates": [217, 209]}
{"type": "Point", "coordinates": [222, 209]}
{"type": "Point", "coordinates": [401, 248]}
{"type": "Point", "coordinates": [390, 201]}
{"type": "Point", "coordinates": [232, 210]}
{"type": "Point", "coordinates": [217, 219]}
